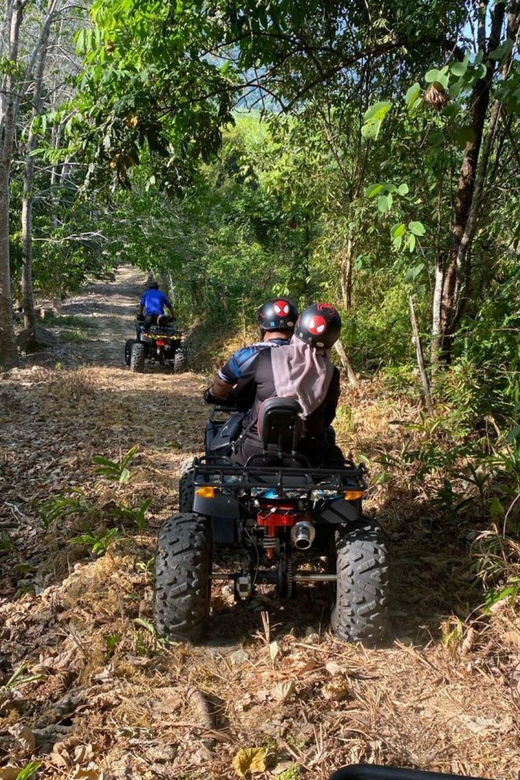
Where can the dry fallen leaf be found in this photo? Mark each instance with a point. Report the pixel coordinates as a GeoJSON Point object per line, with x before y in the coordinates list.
{"type": "Point", "coordinates": [90, 773]}
{"type": "Point", "coordinates": [9, 772]}
{"type": "Point", "coordinates": [274, 649]}
{"type": "Point", "coordinates": [336, 689]}
{"type": "Point", "coordinates": [25, 737]}
{"type": "Point", "coordinates": [511, 638]}
{"type": "Point", "coordinates": [283, 690]}
{"type": "Point", "coordinates": [333, 667]}
{"type": "Point", "coordinates": [83, 754]}
{"type": "Point", "coordinates": [251, 760]}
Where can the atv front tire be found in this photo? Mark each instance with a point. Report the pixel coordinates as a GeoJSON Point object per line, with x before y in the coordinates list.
{"type": "Point", "coordinates": [137, 358]}
{"type": "Point", "coordinates": [360, 611]}
{"type": "Point", "coordinates": [186, 491]}
{"type": "Point", "coordinates": [182, 584]}
{"type": "Point", "coordinates": [128, 350]}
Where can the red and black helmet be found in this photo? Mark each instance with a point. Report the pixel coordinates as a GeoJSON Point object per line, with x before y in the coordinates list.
{"type": "Point", "coordinates": [319, 325]}
{"type": "Point", "coordinates": [278, 314]}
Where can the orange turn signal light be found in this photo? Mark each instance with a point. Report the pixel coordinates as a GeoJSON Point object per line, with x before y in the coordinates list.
{"type": "Point", "coordinates": [352, 495]}
{"type": "Point", "coordinates": [206, 492]}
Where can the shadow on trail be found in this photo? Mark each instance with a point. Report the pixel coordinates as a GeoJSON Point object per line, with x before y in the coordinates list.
{"type": "Point", "coordinates": [430, 567]}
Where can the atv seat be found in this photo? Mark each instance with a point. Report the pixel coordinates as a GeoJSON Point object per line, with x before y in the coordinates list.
{"type": "Point", "coordinates": [280, 424]}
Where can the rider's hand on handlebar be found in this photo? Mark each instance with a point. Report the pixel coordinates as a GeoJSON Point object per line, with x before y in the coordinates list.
{"type": "Point", "coordinates": [209, 397]}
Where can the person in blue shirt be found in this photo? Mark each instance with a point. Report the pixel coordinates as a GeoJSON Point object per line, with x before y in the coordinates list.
{"type": "Point", "coordinates": [276, 320]}
{"type": "Point", "coordinates": [153, 304]}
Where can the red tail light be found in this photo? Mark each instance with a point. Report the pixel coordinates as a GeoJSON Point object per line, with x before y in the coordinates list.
{"type": "Point", "coordinates": [161, 342]}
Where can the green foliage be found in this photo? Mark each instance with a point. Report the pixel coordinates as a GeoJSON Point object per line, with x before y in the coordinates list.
{"type": "Point", "coordinates": [135, 514]}
{"type": "Point", "coordinates": [28, 770]}
{"type": "Point", "coordinates": [19, 677]}
{"type": "Point", "coordinates": [99, 543]}
{"type": "Point", "coordinates": [115, 470]}
{"type": "Point", "coordinates": [64, 506]}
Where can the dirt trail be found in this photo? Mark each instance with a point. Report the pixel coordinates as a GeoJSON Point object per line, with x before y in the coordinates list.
{"type": "Point", "coordinates": [112, 307]}
{"type": "Point", "coordinates": [98, 694]}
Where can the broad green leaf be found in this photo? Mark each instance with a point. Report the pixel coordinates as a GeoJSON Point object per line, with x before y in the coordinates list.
{"type": "Point", "coordinates": [384, 203]}
{"type": "Point", "coordinates": [465, 135]}
{"type": "Point", "coordinates": [371, 129]}
{"type": "Point", "coordinates": [432, 75]}
{"type": "Point", "coordinates": [458, 69]}
{"type": "Point", "coordinates": [403, 189]}
{"type": "Point", "coordinates": [377, 111]}
{"type": "Point", "coordinates": [412, 95]}
{"type": "Point", "coordinates": [397, 242]}
{"type": "Point", "coordinates": [411, 242]}
{"type": "Point", "coordinates": [398, 230]}
{"type": "Point", "coordinates": [373, 189]}
{"type": "Point", "coordinates": [417, 228]}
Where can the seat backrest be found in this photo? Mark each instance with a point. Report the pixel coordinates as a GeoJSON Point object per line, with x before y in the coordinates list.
{"type": "Point", "coordinates": [280, 423]}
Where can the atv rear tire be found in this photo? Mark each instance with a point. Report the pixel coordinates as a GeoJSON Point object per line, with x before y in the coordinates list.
{"type": "Point", "coordinates": [186, 491]}
{"type": "Point", "coordinates": [180, 360]}
{"type": "Point", "coordinates": [128, 350]}
{"type": "Point", "coordinates": [360, 611]}
{"type": "Point", "coordinates": [182, 584]}
{"type": "Point", "coordinates": [137, 358]}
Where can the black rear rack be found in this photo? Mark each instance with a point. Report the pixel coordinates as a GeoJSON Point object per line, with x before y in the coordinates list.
{"type": "Point", "coordinates": [221, 472]}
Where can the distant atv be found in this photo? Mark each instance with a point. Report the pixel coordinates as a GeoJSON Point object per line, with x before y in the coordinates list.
{"type": "Point", "coordinates": [158, 343]}
{"type": "Point", "coordinates": [284, 523]}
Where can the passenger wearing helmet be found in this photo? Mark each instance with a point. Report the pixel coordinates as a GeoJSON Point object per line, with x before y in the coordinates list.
{"type": "Point", "coordinates": [276, 320]}
{"type": "Point", "coordinates": [153, 304]}
{"type": "Point", "coordinates": [300, 370]}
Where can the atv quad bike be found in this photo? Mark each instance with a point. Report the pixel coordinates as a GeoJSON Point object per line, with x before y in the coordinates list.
{"type": "Point", "coordinates": [279, 515]}
{"type": "Point", "coordinates": [157, 343]}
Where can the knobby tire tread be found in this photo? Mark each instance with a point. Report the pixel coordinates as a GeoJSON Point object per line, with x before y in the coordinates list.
{"type": "Point", "coordinates": [137, 357]}
{"type": "Point", "coordinates": [360, 611]}
{"type": "Point", "coordinates": [182, 585]}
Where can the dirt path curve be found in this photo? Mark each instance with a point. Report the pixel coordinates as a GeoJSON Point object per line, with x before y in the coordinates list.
{"type": "Point", "coordinates": [99, 695]}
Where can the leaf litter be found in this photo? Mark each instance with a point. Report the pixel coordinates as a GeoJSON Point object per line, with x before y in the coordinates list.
{"type": "Point", "coordinates": [271, 692]}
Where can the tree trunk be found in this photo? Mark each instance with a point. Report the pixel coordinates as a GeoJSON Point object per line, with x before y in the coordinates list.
{"type": "Point", "coordinates": [28, 179]}
{"type": "Point", "coordinates": [347, 365]}
{"type": "Point", "coordinates": [420, 358]}
{"type": "Point", "coordinates": [435, 347]}
{"type": "Point", "coordinates": [8, 351]}
{"type": "Point", "coordinates": [13, 20]}
{"type": "Point", "coordinates": [346, 274]}
{"type": "Point", "coordinates": [466, 189]}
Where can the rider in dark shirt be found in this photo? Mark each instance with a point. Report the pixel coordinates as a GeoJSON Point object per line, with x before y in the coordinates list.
{"type": "Point", "coordinates": [301, 370]}
{"type": "Point", "coordinates": [276, 319]}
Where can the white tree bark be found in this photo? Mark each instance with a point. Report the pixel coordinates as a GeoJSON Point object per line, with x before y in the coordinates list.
{"type": "Point", "coordinates": [8, 106]}
{"type": "Point", "coordinates": [28, 179]}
